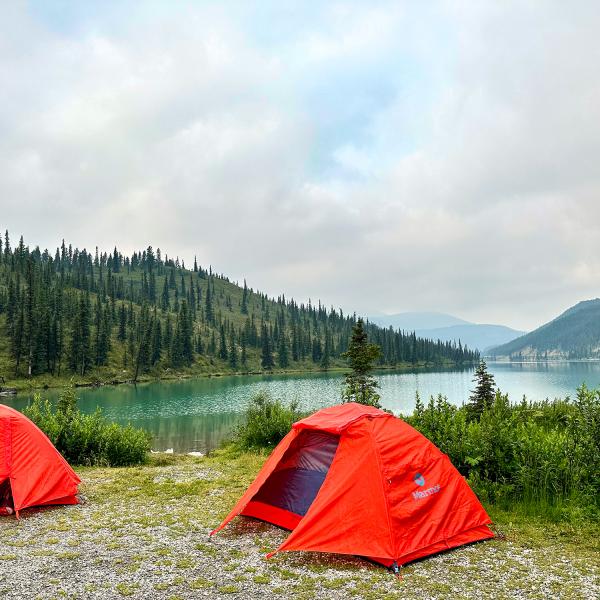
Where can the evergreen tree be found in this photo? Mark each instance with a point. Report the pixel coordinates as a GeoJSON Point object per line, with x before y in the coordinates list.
{"type": "Point", "coordinates": [244, 307]}
{"type": "Point", "coordinates": [156, 341]}
{"type": "Point", "coordinates": [223, 345]}
{"type": "Point", "coordinates": [233, 354]}
{"type": "Point", "coordinates": [359, 385]}
{"type": "Point", "coordinates": [484, 393]}
{"type": "Point", "coordinates": [164, 298]}
{"type": "Point", "coordinates": [208, 307]}
{"type": "Point", "coordinates": [282, 353]}
{"type": "Point", "coordinates": [41, 317]}
{"type": "Point", "coordinates": [122, 334]}
{"type": "Point", "coordinates": [266, 359]}
{"type": "Point", "coordinates": [80, 352]}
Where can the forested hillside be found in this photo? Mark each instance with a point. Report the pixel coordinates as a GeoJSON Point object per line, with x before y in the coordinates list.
{"type": "Point", "coordinates": [109, 317]}
{"type": "Point", "coordinates": [573, 334]}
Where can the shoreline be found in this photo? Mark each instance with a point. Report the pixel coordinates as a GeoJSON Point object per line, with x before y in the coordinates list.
{"type": "Point", "coordinates": [19, 386]}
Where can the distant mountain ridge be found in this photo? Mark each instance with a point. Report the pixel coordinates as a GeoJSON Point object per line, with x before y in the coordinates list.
{"type": "Point", "coordinates": [573, 334]}
{"type": "Point", "coordinates": [445, 327]}
{"type": "Point", "coordinates": [411, 321]}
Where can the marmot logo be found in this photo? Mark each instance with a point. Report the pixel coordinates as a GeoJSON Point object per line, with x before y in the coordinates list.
{"type": "Point", "coordinates": [420, 481]}
{"type": "Point", "coordinates": [428, 492]}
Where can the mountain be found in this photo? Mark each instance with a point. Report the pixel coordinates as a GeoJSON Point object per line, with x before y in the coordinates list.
{"type": "Point", "coordinates": [573, 334]}
{"type": "Point", "coordinates": [106, 317]}
{"type": "Point", "coordinates": [444, 327]}
{"type": "Point", "coordinates": [411, 321]}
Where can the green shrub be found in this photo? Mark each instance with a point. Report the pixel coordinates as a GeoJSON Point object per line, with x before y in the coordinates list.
{"type": "Point", "coordinates": [87, 439]}
{"type": "Point", "coordinates": [542, 456]}
{"type": "Point", "coordinates": [266, 422]}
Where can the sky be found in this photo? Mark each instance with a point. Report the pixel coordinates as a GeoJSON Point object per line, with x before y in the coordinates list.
{"type": "Point", "coordinates": [380, 156]}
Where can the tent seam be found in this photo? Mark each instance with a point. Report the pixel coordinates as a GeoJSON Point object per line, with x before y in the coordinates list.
{"type": "Point", "coordinates": [383, 489]}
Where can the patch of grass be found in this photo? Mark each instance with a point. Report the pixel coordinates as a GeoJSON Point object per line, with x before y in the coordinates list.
{"type": "Point", "coordinates": [228, 589]}
{"type": "Point", "coordinates": [127, 589]}
{"type": "Point", "coordinates": [200, 583]}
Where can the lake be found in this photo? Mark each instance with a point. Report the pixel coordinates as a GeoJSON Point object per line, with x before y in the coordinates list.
{"type": "Point", "coordinates": [198, 414]}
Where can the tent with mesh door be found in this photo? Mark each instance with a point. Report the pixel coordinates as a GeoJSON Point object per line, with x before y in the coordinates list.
{"type": "Point", "coordinates": [352, 479]}
{"type": "Point", "coordinates": [32, 471]}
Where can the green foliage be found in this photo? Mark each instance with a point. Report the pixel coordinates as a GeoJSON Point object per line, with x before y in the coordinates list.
{"type": "Point", "coordinates": [542, 456]}
{"type": "Point", "coordinates": [142, 316]}
{"type": "Point", "coordinates": [87, 439]}
{"type": "Point", "coordinates": [359, 385]}
{"type": "Point", "coordinates": [267, 422]}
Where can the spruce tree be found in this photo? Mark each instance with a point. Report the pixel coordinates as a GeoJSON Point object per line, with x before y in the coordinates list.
{"type": "Point", "coordinates": [282, 352]}
{"type": "Point", "coordinates": [244, 307]}
{"type": "Point", "coordinates": [164, 298]}
{"type": "Point", "coordinates": [122, 333]}
{"type": "Point", "coordinates": [80, 353]}
{"type": "Point", "coordinates": [208, 307]}
{"type": "Point", "coordinates": [484, 393]}
{"type": "Point", "coordinates": [223, 345]}
{"type": "Point", "coordinates": [359, 385]}
{"type": "Point", "coordinates": [266, 359]}
{"type": "Point", "coordinates": [233, 355]}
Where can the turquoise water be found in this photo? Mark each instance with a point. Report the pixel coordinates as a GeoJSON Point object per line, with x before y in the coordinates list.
{"type": "Point", "coordinates": [198, 414]}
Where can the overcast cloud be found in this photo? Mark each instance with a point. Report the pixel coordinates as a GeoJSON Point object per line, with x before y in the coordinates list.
{"type": "Point", "coordinates": [382, 157]}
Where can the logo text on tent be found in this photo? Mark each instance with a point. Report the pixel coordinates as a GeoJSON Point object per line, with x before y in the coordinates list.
{"type": "Point", "coordinates": [420, 481]}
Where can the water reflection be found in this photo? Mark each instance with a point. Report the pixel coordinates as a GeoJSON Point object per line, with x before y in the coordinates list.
{"type": "Point", "coordinates": [198, 414]}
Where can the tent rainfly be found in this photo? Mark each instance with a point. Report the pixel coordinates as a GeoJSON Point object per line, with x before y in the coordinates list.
{"type": "Point", "coordinates": [352, 479]}
{"type": "Point", "coordinates": [32, 471]}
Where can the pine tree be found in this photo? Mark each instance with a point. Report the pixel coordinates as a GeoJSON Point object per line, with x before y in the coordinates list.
{"type": "Point", "coordinates": [156, 341]}
{"type": "Point", "coordinates": [164, 298]}
{"type": "Point", "coordinates": [223, 345]}
{"type": "Point", "coordinates": [244, 307]}
{"type": "Point", "coordinates": [80, 353]}
{"type": "Point", "coordinates": [484, 393]}
{"type": "Point", "coordinates": [359, 385]}
{"type": "Point", "coordinates": [233, 354]}
{"type": "Point", "coordinates": [208, 307]}
{"type": "Point", "coordinates": [266, 359]}
{"type": "Point", "coordinates": [283, 358]}
{"type": "Point", "coordinates": [187, 347]}
{"type": "Point", "coordinates": [122, 333]}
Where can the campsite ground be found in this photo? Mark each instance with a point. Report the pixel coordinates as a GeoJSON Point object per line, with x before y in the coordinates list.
{"type": "Point", "coordinates": [144, 534]}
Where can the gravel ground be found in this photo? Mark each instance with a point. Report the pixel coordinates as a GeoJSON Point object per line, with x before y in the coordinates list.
{"type": "Point", "coordinates": [143, 533]}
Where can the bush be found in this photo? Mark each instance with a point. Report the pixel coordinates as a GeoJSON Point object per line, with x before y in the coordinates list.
{"type": "Point", "coordinates": [266, 422]}
{"type": "Point", "coordinates": [87, 439]}
{"type": "Point", "coordinates": [543, 456]}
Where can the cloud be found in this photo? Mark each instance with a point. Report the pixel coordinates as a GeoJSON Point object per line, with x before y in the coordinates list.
{"type": "Point", "coordinates": [381, 157]}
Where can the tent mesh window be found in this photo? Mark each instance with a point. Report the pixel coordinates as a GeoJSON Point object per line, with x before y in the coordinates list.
{"type": "Point", "coordinates": [297, 479]}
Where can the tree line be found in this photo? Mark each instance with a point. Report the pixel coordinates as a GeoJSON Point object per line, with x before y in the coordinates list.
{"type": "Point", "coordinates": [75, 311]}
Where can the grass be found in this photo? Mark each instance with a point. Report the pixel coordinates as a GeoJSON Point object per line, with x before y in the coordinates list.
{"type": "Point", "coordinates": [145, 531]}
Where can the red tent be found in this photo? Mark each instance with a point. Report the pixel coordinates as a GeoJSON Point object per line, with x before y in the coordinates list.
{"type": "Point", "coordinates": [32, 471]}
{"type": "Point", "coordinates": [352, 479]}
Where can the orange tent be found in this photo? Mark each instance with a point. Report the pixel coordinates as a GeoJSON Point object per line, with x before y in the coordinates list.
{"type": "Point", "coordinates": [32, 471]}
{"type": "Point", "coordinates": [352, 479]}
